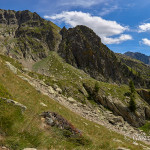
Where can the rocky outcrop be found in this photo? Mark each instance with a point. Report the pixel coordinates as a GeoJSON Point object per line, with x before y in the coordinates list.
{"type": "Point", "coordinates": [118, 108]}
{"type": "Point", "coordinates": [54, 119]}
{"type": "Point", "coordinates": [26, 36]}
{"type": "Point", "coordinates": [83, 49]}
{"type": "Point", "coordinates": [15, 103]}
{"type": "Point", "coordinates": [11, 17]}
{"type": "Point", "coordinates": [145, 94]}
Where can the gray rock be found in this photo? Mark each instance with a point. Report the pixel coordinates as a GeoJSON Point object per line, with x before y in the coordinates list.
{"type": "Point", "coordinates": [122, 148]}
{"type": "Point", "coordinates": [51, 90]}
{"type": "Point", "coordinates": [49, 121]}
{"type": "Point", "coordinates": [23, 107]}
{"type": "Point", "coordinates": [71, 100]}
{"type": "Point", "coordinates": [11, 67]}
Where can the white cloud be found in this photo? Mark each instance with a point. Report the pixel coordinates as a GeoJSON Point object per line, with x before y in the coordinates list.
{"type": "Point", "coordinates": [122, 38]}
{"type": "Point", "coordinates": [104, 28]}
{"type": "Point", "coordinates": [106, 11]}
{"type": "Point", "coordinates": [146, 41]}
{"type": "Point", "coordinates": [144, 27]}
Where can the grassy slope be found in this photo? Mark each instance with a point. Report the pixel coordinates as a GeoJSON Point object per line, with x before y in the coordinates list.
{"type": "Point", "coordinates": [71, 79]}
{"type": "Point", "coordinates": [136, 66]}
{"type": "Point", "coordinates": [27, 131]}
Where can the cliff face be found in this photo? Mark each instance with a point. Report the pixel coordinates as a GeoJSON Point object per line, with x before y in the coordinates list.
{"type": "Point", "coordinates": [83, 49]}
{"type": "Point", "coordinates": [11, 17]}
{"type": "Point", "coordinates": [26, 36]}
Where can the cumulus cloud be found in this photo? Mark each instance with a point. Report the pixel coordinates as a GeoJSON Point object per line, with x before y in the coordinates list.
{"type": "Point", "coordinates": [146, 41]}
{"type": "Point", "coordinates": [144, 27]}
{"type": "Point", "coordinates": [104, 28]}
{"type": "Point", "coordinates": [122, 38]}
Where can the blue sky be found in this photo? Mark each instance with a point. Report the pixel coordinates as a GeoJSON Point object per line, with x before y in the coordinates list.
{"type": "Point", "coordinates": [122, 25]}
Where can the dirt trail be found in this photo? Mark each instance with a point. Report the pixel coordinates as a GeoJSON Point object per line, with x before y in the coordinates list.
{"type": "Point", "coordinates": [97, 114]}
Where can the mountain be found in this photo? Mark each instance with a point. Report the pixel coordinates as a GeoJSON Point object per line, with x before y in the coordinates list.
{"type": "Point", "coordinates": [83, 49]}
{"type": "Point", "coordinates": [138, 67]}
{"type": "Point", "coordinates": [65, 89]}
{"type": "Point", "coordinates": [26, 36]}
{"type": "Point", "coordinates": [139, 56]}
{"type": "Point", "coordinates": [29, 38]}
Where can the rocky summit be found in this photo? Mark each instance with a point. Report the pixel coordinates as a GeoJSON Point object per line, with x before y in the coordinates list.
{"type": "Point", "coordinates": [65, 89]}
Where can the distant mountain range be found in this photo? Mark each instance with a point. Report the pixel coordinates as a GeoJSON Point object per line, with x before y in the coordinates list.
{"type": "Point", "coordinates": [139, 56]}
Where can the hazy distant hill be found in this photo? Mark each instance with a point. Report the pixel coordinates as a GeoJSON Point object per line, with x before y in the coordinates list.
{"type": "Point", "coordinates": [139, 56]}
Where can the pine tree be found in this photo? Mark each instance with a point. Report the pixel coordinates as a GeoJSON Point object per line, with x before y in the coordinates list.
{"type": "Point", "coordinates": [132, 103]}
{"type": "Point", "coordinates": [132, 88]}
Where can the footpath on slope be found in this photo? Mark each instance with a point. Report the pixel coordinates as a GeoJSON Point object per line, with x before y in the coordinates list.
{"type": "Point", "coordinates": [98, 115]}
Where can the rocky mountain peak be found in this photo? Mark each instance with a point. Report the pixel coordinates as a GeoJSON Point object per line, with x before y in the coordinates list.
{"type": "Point", "coordinates": [11, 17]}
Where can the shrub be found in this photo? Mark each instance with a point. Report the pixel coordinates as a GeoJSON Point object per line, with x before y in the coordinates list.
{"type": "Point", "coordinates": [96, 88]}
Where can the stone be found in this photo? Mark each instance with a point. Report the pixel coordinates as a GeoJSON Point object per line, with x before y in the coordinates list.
{"type": "Point", "coordinates": [117, 140]}
{"type": "Point", "coordinates": [71, 100]}
{"type": "Point", "coordinates": [44, 105]}
{"type": "Point", "coordinates": [58, 90]}
{"type": "Point", "coordinates": [50, 121]}
{"type": "Point", "coordinates": [115, 119]}
{"type": "Point", "coordinates": [11, 67]}
{"type": "Point", "coordinates": [23, 107]}
{"type": "Point", "coordinates": [122, 148]}
{"type": "Point", "coordinates": [51, 90]}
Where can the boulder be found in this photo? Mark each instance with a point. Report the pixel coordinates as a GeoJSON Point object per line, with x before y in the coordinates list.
{"type": "Point", "coordinates": [51, 90]}
{"type": "Point", "coordinates": [71, 100]}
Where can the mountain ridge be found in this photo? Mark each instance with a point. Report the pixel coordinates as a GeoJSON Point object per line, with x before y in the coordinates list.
{"type": "Point", "coordinates": [139, 56]}
{"type": "Point", "coordinates": [29, 38]}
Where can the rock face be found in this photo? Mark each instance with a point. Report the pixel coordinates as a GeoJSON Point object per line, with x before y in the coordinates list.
{"type": "Point", "coordinates": [11, 17]}
{"type": "Point", "coordinates": [83, 49]}
{"type": "Point", "coordinates": [145, 94]}
{"type": "Point", "coordinates": [26, 36]}
{"type": "Point", "coordinates": [118, 108]}
{"type": "Point", "coordinates": [137, 67]}
{"type": "Point", "coordinates": [139, 56]}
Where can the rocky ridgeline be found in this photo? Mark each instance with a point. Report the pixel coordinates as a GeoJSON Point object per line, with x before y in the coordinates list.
{"type": "Point", "coordinates": [11, 17]}
{"type": "Point", "coordinates": [26, 36]}
{"type": "Point", "coordinates": [139, 56]}
{"type": "Point", "coordinates": [83, 49]}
